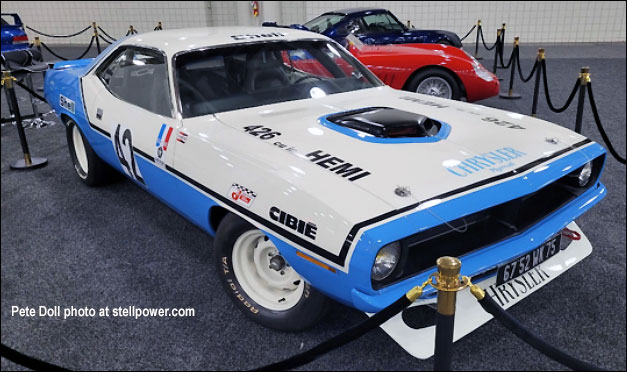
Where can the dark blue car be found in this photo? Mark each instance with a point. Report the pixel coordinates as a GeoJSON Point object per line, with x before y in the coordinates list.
{"type": "Point", "coordinates": [375, 26]}
{"type": "Point", "coordinates": [13, 35]}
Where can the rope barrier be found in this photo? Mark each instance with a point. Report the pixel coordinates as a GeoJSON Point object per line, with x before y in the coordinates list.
{"type": "Point", "coordinates": [597, 120]}
{"type": "Point", "coordinates": [91, 43]}
{"type": "Point", "coordinates": [548, 97]}
{"type": "Point", "coordinates": [520, 74]}
{"type": "Point", "coordinates": [26, 88]}
{"type": "Point", "coordinates": [59, 36]}
{"type": "Point", "coordinates": [483, 40]}
{"type": "Point", "coordinates": [26, 361]}
{"type": "Point", "coordinates": [512, 324]}
{"type": "Point", "coordinates": [468, 33]}
{"type": "Point", "coordinates": [350, 334]}
{"type": "Point", "coordinates": [106, 34]}
{"type": "Point", "coordinates": [105, 40]}
{"type": "Point", "coordinates": [510, 57]}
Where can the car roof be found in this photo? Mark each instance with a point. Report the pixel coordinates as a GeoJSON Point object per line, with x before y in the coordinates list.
{"type": "Point", "coordinates": [349, 11]}
{"type": "Point", "coordinates": [177, 40]}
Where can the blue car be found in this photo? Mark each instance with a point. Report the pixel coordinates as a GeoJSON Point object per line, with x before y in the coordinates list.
{"type": "Point", "coordinates": [13, 35]}
{"type": "Point", "coordinates": [376, 26]}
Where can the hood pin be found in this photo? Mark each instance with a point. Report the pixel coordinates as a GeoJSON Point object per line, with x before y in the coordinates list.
{"type": "Point", "coordinates": [402, 191]}
{"type": "Point", "coordinates": [552, 140]}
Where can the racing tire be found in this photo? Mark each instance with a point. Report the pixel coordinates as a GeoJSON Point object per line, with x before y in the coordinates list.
{"type": "Point", "coordinates": [242, 253]}
{"type": "Point", "coordinates": [92, 170]}
{"type": "Point", "coordinates": [443, 81]}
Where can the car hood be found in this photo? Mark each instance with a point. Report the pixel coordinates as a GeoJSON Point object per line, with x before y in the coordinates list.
{"type": "Point", "coordinates": [475, 143]}
{"type": "Point", "coordinates": [415, 50]}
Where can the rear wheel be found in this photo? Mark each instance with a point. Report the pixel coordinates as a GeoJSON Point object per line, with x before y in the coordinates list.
{"type": "Point", "coordinates": [92, 170]}
{"type": "Point", "coordinates": [261, 282]}
{"type": "Point", "coordinates": [435, 82]}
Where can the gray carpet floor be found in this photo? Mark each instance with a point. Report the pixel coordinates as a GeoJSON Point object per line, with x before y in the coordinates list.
{"type": "Point", "coordinates": [69, 245]}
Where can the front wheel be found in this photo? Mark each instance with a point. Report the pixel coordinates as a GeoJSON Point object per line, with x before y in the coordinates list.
{"type": "Point", "coordinates": [435, 82]}
{"type": "Point", "coordinates": [261, 282]}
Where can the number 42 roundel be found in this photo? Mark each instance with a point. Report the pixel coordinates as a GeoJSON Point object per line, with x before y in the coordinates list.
{"type": "Point", "coordinates": [123, 144]}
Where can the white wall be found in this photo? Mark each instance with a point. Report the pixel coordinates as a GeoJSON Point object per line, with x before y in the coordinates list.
{"type": "Point", "coordinates": [533, 21]}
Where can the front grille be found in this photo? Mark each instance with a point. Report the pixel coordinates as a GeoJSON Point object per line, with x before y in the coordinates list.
{"type": "Point", "coordinates": [484, 228]}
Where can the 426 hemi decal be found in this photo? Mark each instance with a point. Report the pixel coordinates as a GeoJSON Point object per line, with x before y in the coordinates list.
{"type": "Point", "coordinates": [337, 165]}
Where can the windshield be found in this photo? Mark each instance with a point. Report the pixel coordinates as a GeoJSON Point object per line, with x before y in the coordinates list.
{"type": "Point", "coordinates": [256, 74]}
{"type": "Point", "coordinates": [323, 22]}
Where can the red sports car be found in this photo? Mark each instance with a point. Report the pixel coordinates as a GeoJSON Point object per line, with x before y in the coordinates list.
{"type": "Point", "coordinates": [434, 69]}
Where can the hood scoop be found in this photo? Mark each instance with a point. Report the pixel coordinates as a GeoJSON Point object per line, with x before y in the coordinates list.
{"type": "Point", "coordinates": [386, 122]}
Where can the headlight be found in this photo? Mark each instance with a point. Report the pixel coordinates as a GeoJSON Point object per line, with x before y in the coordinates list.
{"type": "Point", "coordinates": [479, 69]}
{"type": "Point", "coordinates": [386, 261]}
{"type": "Point", "coordinates": [483, 73]}
{"type": "Point", "coordinates": [584, 174]}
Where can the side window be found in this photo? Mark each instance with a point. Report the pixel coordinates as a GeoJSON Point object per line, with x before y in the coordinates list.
{"type": "Point", "coordinates": [140, 77]}
{"type": "Point", "coordinates": [381, 22]}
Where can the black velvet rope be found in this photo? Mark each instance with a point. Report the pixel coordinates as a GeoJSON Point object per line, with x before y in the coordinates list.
{"type": "Point", "coordinates": [341, 339]}
{"type": "Point", "coordinates": [26, 88]}
{"type": "Point", "coordinates": [91, 42]}
{"type": "Point", "coordinates": [105, 40]}
{"type": "Point", "coordinates": [60, 36]}
{"type": "Point", "coordinates": [106, 34]}
{"type": "Point", "coordinates": [483, 40]}
{"type": "Point", "coordinates": [26, 361]}
{"type": "Point", "coordinates": [512, 324]}
{"type": "Point", "coordinates": [468, 33]}
{"type": "Point", "coordinates": [533, 69]}
{"type": "Point", "coordinates": [511, 57]}
{"type": "Point", "coordinates": [548, 97]}
{"type": "Point", "coordinates": [597, 120]}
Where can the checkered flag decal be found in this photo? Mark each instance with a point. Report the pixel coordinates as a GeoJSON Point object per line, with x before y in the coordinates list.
{"type": "Point", "coordinates": [245, 190]}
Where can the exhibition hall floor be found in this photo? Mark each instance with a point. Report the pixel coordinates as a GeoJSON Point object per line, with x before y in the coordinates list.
{"type": "Point", "coordinates": [65, 244]}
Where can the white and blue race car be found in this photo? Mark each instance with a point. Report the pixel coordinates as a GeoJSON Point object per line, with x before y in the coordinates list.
{"type": "Point", "coordinates": [318, 181]}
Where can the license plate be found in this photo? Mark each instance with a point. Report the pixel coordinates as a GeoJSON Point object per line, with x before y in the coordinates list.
{"type": "Point", "coordinates": [522, 264]}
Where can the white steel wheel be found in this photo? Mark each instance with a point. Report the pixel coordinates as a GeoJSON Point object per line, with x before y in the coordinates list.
{"type": "Point", "coordinates": [435, 86]}
{"type": "Point", "coordinates": [80, 152]}
{"type": "Point", "coordinates": [264, 274]}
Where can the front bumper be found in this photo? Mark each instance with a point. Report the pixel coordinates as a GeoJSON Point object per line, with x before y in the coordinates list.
{"type": "Point", "coordinates": [483, 260]}
{"type": "Point", "coordinates": [470, 315]}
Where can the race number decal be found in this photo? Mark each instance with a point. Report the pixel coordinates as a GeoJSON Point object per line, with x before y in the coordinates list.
{"type": "Point", "coordinates": [123, 144]}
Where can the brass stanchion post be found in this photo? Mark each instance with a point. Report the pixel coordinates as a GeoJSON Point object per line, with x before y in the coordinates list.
{"type": "Point", "coordinates": [28, 162]}
{"type": "Point", "coordinates": [502, 46]}
{"type": "Point", "coordinates": [448, 285]}
{"type": "Point", "coordinates": [536, 87]}
{"type": "Point", "coordinates": [584, 79]}
{"type": "Point", "coordinates": [510, 92]}
{"type": "Point", "coordinates": [37, 43]}
{"type": "Point", "coordinates": [477, 39]}
{"type": "Point", "coordinates": [95, 27]}
{"type": "Point", "coordinates": [496, 50]}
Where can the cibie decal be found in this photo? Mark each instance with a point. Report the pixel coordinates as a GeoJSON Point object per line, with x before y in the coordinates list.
{"type": "Point", "coordinates": [242, 195]}
{"type": "Point", "coordinates": [66, 103]}
{"type": "Point", "coordinates": [163, 139]}
{"type": "Point", "coordinates": [496, 161]}
{"type": "Point", "coordinates": [308, 229]}
{"type": "Point", "coordinates": [123, 144]}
